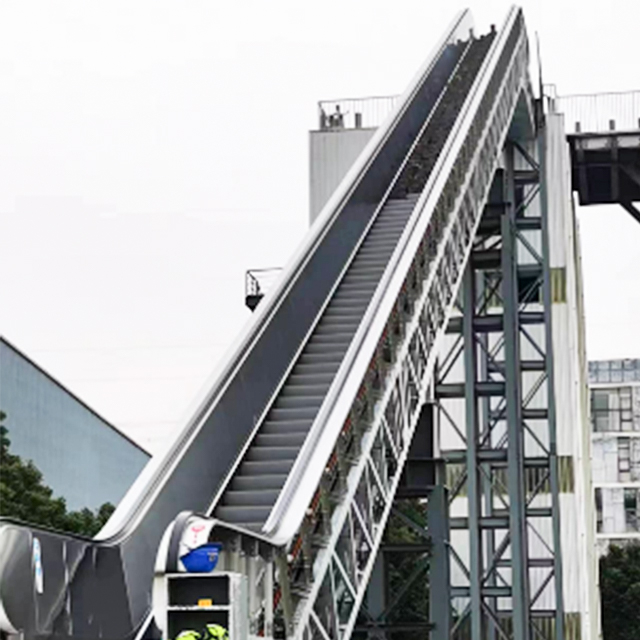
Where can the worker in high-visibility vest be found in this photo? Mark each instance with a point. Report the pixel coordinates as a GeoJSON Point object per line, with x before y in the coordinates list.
{"type": "Point", "coordinates": [189, 635]}
{"type": "Point", "coordinates": [211, 632]}
{"type": "Point", "coordinates": [215, 632]}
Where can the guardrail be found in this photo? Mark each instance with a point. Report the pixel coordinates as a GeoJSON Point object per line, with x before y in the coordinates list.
{"type": "Point", "coordinates": [599, 112]}
{"type": "Point", "coordinates": [355, 113]}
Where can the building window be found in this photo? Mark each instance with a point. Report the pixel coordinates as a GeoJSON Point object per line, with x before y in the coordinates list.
{"type": "Point", "coordinates": [624, 460]}
{"type": "Point", "coordinates": [631, 509]}
{"type": "Point", "coordinates": [599, 520]}
{"type": "Point", "coordinates": [611, 409]}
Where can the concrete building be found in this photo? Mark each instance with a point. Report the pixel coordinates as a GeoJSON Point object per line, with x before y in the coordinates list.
{"type": "Point", "coordinates": [615, 423]}
{"type": "Point", "coordinates": [82, 457]}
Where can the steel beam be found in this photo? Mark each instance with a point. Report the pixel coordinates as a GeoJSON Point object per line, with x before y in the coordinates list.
{"type": "Point", "coordinates": [515, 474]}
{"type": "Point", "coordinates": [439, 570]}
{"type": "Point", "coordinates": [473, 480]}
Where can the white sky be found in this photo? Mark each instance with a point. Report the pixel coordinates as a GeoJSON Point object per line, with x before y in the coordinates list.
{"type": "Point", "coordinates": [151, 152]}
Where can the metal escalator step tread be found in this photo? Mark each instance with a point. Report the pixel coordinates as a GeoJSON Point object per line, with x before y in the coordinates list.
{"type": "Point", "coordinates": [265, 467]}
{"type": "Point", "coordinates": [356, 292]}
{"type": "Point", "coordinates": [328, 348]}
{"type": "Point", "coordinates": [261, 497]}
{"type": "Point", "coordinates": [265, 454]}
{"type": "Point", "coordinates": [291, 426]}
{"type": "Point", "coordinates": [301, 380]}
{"type": "Point", "coordinates": [280, 439]}
{"type": "Point", "coordinates": [392, 228]}
{"type": "Point", "coordinates": [358, 273]}
{"type": "Point", "coordinates": [334, 337]}
{"type": "Point", "coordinates": [383, 233]}
{"type": "Point", "coordinates": [316, 352]}
{"type": "Point", "coordinates": [328, 326]}
{"type": "Point", "coordinates": [298, 401]}
{"type": "Point", "coordinates": [317, 368]}
{"type": "Point", "coordinates": [354, 296]}
{"type": "Point", "coordinates": [295, 413]}
{"type": "Point", "coordinates": [317, 389]}
{"type": "Point", "coordinates": [360, 279]}
{"type": "Point", "coordinates": [257, 483]}
{"type": "Point", "coordinates": [394, 231]}
{"type": "Point", "coordinates": [316, 358]}
{"type": "Point", "coordinates": [243, 513]}
{"type": "Point", "coordinates": [379, 243]}
{"type": "Point", "coordinates": [372, 262]}
{"type": "Point", "coordinates": [343, 309]}
{"type": "Point", "coordinates": [370, 250]}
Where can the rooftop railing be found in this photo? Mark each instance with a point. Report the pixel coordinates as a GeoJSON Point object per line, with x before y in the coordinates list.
{"type": "Point", "coordinates": [599, 112]}
{"type": "Point", "coordinates": [257, 282]}
{"type": "Point", "coordinates": [354, 113]}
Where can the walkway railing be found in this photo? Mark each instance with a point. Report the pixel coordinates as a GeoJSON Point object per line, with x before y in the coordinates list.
{"type": "Point", "coordinates": [354, 113]}
{"type": "Point", "coordinates": [599, 112]}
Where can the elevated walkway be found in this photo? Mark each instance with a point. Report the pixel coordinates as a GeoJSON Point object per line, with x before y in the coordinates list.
{"type": "Point", "coordinates": [604, 138]}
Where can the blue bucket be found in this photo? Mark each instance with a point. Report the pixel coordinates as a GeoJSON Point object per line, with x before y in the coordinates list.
{"type": "Point", "coordinates": [203, 559]}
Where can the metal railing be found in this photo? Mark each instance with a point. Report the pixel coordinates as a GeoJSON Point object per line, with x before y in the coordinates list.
{"type": "Point", "coordinates": [599, 112]}
{"type": "Point", "coordinates": [354, 113]}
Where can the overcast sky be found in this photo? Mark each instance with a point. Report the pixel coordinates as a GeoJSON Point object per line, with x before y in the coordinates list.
{"type": "Point", "coordinates": [151, 152]}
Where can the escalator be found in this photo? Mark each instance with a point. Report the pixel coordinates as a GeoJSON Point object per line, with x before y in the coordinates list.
{"type": "Point", "coordinates": [264, 433]}
{"type": "Point", "coordinates": [255, 486]}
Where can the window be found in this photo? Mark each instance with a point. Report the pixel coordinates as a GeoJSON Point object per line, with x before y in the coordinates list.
{"type": "Point", "coordinates": [624, 466]}
{"type": "Point", "coordinates": [611, 409]}
{"type": "Point", "coordinates": [631, 509]}
{"type": "Point", "coordinates": [599, 518]}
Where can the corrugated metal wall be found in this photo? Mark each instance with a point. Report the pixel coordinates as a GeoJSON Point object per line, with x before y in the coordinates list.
{"type": "Point", "coordinates": [574, 432]}
{"type": "Point", "coordinates": [331, 155]}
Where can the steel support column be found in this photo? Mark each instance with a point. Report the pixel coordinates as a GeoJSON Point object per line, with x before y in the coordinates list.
{"type": "Point", "coordinates": [473, 479]}
{"type": "Point", "coordinates": [439, 570]}
{"type": "Point", "coordinates": [515, 435]}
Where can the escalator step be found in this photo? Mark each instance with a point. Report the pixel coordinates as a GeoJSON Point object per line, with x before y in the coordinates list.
{"type": "Point", "coordinates": [280, 439]}
{"type": "Point", "coordinates": [257, 483]}
{"type": "Point", "coordinates": [292, 426]}
{"type": "Point", "coordinates": [261, 497]}
{"type": "Point", "coordinates": [264, 454]}
{"type": "Point", "coordinates": [265, 468]}
{"type": "Point", "coordinates": [243, 513]}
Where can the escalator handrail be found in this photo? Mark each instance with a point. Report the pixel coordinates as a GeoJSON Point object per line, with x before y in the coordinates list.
{"type": "Point", "coordinates": [140, 497]}
{"type": "Point", "coordinates": [288, 512]}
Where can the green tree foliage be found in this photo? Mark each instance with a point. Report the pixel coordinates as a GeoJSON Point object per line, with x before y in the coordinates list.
{"type": "Point", "coordinates": [407, 571]}
{"type": "Point", "coordinates": [620, 592]}
{"type": "Point", "coordinates": [24, 496]}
